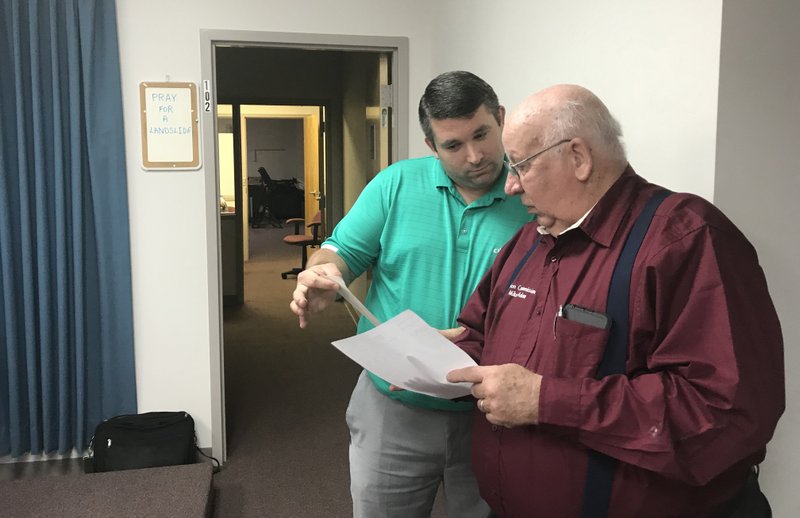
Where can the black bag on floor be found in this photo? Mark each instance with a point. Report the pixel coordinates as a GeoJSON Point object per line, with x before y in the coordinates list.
{"type": "Point", "coordinates": [142, 441]}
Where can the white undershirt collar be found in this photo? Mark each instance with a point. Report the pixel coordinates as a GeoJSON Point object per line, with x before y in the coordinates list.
{"type": "Point", "coordinates": [543, 230]}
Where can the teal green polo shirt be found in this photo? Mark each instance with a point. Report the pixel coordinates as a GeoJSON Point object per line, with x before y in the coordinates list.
{"type": "Point", "coordinates": [428, 249]}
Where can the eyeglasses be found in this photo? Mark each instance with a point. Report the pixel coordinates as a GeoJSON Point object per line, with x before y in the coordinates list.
{"type": "Point", "coordinates": [515, 169]}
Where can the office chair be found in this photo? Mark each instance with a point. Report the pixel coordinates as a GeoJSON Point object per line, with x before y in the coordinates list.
{"type": "Point", "coordinates": [265, 179]}
{"type": "Point", "coordinates": [304, 241]}
{"type": "Point", "coordinates": [263, 210]}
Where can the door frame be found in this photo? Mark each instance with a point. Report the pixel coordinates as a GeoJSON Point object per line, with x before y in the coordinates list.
{"type": "Point", "coordinates": [209, 40]}
{"type": "Point", "coordinates": [308, 114]}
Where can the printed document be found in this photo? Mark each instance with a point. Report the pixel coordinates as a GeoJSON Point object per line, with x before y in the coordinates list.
{"type": "Point", "coordinates": [410, 354]}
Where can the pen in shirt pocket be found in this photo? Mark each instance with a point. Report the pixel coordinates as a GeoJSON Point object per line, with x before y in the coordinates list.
{"type": "Point", "coordinates": [581, 315]}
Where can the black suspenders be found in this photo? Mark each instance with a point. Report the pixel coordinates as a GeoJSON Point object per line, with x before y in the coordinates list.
{"type": "Point", "coordinates": [523, 261]}
{"type": "Point", "coordinates": [600, 472]}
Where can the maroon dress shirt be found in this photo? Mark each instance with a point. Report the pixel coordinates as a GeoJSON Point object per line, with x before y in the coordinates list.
{"type": "Point", "coordinates": [704, 382]}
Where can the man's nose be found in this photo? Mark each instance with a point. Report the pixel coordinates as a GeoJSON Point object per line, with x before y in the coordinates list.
{"type": "Point", "coordinates": [474, 153]}
{"type": "Point", "coordinates": [513, 185]}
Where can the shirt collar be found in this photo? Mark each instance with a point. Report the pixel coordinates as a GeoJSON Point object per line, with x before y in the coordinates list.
{"type": "Point", "coordinates": [442, 180]}
{"type": "Point", "coordinates": [604, 219]}
{"type": "Point", "coordinates": [497, 192]}
{"type": "Point", "coordinates": [543, 230]}
{"type": "Point", "coordinates": [601, 222]}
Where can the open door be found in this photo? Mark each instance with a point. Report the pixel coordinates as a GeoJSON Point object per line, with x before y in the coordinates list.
{"type": "Point", "coordinates": [246, 135]}
{"type": "Point", "coordinates": [386, 98]}
{"type": "Point", "coordinates": [301, 159]}
{"type": "Point", "coordinates": [315, 164]}
{"type": "Point", "coordinates": [230, 206]}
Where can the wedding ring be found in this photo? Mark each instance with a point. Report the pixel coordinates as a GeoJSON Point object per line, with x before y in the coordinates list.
{"type": "Point", "coordinates": [480, 406]}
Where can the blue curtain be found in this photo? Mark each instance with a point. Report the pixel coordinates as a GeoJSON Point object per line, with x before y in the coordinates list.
{"type": "Point", "coordinates": [66, 330]}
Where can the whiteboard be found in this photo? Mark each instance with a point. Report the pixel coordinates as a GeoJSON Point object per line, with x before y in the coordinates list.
{"type": "Point", "coordinates": [169, 117]}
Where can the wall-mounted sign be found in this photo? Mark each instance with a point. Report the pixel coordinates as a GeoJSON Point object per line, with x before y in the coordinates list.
{"type": "Point", "coordinates": [206, 95]}
{"type": "Point", "coordinates": [169, 126]}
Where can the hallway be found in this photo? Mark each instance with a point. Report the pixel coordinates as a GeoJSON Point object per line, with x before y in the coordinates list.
{"type": "Point", "coordinates": [286, 394]}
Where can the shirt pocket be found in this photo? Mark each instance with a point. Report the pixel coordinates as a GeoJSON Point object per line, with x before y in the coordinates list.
{"type": "Point", "coordinates": [577, 349]}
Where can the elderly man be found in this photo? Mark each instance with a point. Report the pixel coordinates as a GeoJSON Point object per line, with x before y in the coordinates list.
{"type": "Point", "coordinates": [676, 429]}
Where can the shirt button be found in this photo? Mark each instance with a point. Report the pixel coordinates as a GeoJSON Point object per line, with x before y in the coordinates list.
{"type": "Point", "coordinates": [654, 430]}
{"type": "Point", "coordinates": [539, 311]}
{"type": "Point", "coordinates": [494, 427]}
{"type": "Point", "coordinates": [553, 258]}
{"type": "Point", "coordinates": [464, 230]}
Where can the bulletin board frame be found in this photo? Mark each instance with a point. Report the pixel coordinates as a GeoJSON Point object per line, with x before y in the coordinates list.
{"type": "Point", "coordinates": [170, 126]}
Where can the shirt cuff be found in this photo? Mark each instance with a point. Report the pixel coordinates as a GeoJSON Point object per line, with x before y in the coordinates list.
{"type": "Point", "coordinates": [560, 401]}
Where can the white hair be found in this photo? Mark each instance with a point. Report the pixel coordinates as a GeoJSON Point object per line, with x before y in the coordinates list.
{"type": "Point", "coordinates": [587, 117]}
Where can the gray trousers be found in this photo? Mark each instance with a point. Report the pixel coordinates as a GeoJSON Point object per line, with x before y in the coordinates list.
{"type": "Point", "coordinates": [400, 454]}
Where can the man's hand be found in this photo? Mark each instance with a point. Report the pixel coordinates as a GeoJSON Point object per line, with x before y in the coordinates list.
{"type": "Point", "coordinates": [508, 394]}
{"type": "Point", "coordinates": [452, 333]}
{"type": "Point", "coordinates": [314, 291]}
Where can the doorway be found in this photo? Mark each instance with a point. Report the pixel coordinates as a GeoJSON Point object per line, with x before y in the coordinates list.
{"type": "Point", "coordinates": [271, 161]}
{"type": "Point", "coordinates": [297, 69]}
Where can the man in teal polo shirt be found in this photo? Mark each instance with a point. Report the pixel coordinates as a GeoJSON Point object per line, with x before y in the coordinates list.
{"type": "Point", "coordinates": [429, 228]}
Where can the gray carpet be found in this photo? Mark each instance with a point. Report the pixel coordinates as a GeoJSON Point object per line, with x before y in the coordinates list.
{"type": "Point", "coordinates": [168, 492]}
{"type": "Point", "coordinates": [286, 394]}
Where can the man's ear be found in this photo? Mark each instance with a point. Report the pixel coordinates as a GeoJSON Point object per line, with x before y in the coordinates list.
{"type": "Point", "coordinates": [432, 147]}
{"type": "Point", "coordinates": [501, 115]}
{"type": "Point", "coordinates": [581, 156]}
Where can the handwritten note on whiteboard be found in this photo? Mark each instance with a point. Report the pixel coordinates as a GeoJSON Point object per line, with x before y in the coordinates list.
{"type": "Point", "coordinates": [169, 126]}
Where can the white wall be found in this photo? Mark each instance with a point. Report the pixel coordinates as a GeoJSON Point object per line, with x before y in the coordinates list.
{"type": "Point", "coordinates": [161, 40]}
{"type": "Point", "coordinates": [278, 146]}
{"type": "Point", "coordinates": [757, 186]}
{"type": "Point", "coordinates": [653, 63]}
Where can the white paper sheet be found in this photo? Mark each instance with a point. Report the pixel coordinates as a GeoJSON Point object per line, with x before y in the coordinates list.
{"type": "Point", "coordinates": [408, 353]}
{"type": "Point", "coordinates": [345, 292]}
